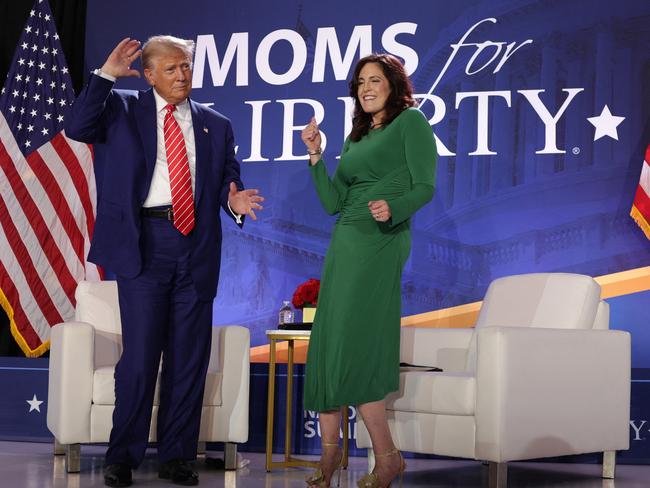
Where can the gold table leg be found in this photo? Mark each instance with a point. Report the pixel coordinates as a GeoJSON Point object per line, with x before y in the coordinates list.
{"type": "Point", "coordinates": [270, 405]}
{"type": "Point", "coordinates": [344, 418]}
{"type": "Point", "coordinates": [288, 418]}
{"type": "Point", "coordinates": [288, 461]}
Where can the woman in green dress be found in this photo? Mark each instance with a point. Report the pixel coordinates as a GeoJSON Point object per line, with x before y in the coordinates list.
{"type": "Point", "coordinates": [386, 173]}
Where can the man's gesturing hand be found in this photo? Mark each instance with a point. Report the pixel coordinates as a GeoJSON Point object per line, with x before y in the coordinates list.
{"type": "Point", "coordinates": [244, 202]}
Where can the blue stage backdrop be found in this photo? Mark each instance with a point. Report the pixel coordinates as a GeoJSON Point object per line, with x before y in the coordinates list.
{"type": "Point", "coordinates": [540, 109]}
{"type": "Point", "coordinates": [541, 113]}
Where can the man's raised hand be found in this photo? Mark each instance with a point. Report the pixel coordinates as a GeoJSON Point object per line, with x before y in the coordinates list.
{"type": "Point", "coordinates": [118, 63]}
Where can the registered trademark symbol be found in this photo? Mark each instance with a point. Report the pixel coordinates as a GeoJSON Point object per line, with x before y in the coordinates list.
{"type": "Point", "coordinates": [575, 150]}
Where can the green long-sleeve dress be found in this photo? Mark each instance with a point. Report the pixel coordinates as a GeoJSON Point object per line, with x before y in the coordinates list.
{"type": "Point", "coordinates": [353, 355]}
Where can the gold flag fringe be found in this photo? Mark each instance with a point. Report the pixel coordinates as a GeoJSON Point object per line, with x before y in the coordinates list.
{"type": "Point", "coordinates": [30, 353]}
{"type": "Point", "coordinates": [640, 220]}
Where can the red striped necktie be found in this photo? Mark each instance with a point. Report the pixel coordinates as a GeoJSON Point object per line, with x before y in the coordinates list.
{"type": "Point", "coordinates": [180, 179]}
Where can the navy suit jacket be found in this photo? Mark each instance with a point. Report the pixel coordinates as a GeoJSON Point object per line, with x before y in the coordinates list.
{"type": "Point", "coordinates": [121, 124]}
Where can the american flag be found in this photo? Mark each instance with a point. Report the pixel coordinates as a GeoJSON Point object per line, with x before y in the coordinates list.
{"type": "Point", "coordinates": [47, 189]}
{"type": "Point", "coordinates": [641, 206]}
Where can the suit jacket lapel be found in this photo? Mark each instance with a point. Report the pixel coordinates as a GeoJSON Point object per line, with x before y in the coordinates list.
{"type": "Point", "coordinates": [145, 116]}
{"type": "Point", "coordinates": [202, 146]}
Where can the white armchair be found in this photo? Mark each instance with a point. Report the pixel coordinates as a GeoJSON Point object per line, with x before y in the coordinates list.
{"type": "Point", "coordinates": [81, 392]}
{"type": "Point", "coordinates": [539, 376]}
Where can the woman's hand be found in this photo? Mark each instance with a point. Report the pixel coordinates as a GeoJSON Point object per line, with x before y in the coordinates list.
{"type": "Point", "coordinates": [380, 210]}
{"type": "Point", "coordinates": [310, 135]}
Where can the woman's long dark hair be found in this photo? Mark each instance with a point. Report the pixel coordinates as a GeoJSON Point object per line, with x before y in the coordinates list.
{"type": "Point", "coordinates": [399, 99]}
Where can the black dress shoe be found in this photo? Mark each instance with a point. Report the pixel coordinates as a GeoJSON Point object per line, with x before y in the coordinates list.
{"type": "Point", "coordinates": [179, 472]}
{"type": "Point", "coordinates": [117, 475]}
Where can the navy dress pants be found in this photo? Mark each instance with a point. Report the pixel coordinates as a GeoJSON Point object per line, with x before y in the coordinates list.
{"type": "Point", "coordinates": [161, 315]}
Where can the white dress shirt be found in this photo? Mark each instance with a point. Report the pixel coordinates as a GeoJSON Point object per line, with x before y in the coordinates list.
{"type": "Point", "coordinates": [160, 192]}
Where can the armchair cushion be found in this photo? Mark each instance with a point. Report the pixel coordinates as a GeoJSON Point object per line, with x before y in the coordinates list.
{"type": "Point", "coordinates": [104, 388]}
{"type": "Point", "coordinates": [98, 304]}
{"type": "Point", "coordinates": [556, 300]}
{"type": "Point", "coordinates": [443, 348]}
{"type": "Point", "coordinates": [440, 393]}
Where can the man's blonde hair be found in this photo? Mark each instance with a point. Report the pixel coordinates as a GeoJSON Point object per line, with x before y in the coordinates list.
{"type": "Point", "coordinates": [158, 44]}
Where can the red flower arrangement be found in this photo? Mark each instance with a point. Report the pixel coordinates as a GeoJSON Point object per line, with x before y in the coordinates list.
{"type": "Point", "coordinates": [306, 294]}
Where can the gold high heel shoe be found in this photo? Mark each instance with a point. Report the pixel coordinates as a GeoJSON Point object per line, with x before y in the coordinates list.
{"type": "Point", "coordinates": [371, 480]}
{"type": "Point", "coordinates": [317, 478]}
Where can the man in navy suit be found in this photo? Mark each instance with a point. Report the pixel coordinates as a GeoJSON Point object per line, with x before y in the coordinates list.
{"type": "Point", "coordinates": [162, 239]}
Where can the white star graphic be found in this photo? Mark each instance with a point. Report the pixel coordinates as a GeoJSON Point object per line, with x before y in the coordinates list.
{"type": "Point", "coordinates": [606, 124]}
{"type": "Point", "coordinates": [34, 403]}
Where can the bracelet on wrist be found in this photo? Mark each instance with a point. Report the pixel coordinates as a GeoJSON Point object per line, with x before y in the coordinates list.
{"type": "Point", "coordinates": [316, 152]}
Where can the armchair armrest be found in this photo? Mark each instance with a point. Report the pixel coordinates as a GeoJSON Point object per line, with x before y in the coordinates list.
{"type": "Point", "coordinates": [551, 392]}
{"type": "Point", "coordinates": [444, 348]}
{"type": "Point", "coordinates": [70, 387]}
